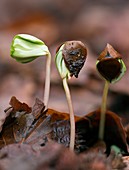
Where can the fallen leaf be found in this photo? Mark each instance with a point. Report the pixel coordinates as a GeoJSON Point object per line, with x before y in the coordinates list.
{"type": "Point", "coordinates": [18, 106]}
{"type": "Point", "coordinates": [38, 108]}
{"type": "Point", "coordinates": [114, 131]}
{"type": "Point", "coordinates": [41, 126]}
{"type": "Point", "coordinates": [16, 123]}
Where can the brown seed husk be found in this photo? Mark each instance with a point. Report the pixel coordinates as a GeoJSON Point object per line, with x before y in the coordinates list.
{"type": "Point", "coordinates": [74, 54]}
{"type": "Point", "coordinates": [109, 66]}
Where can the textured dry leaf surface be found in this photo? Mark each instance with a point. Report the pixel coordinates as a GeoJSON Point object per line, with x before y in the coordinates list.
{"type": "Point", "coordinates": [38, 138]}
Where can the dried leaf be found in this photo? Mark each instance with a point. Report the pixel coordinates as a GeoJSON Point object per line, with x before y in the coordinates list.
{"type": "Point", "coordinates": [18, 106]}
{"type": "Point", "coordinates": [87, 132]}
{"type": "Point", "coordinates": [3, 116]}
{"type": "Point", "coordinates": [114, 131]}
{"type": "Point", "coordinates": [21, 122]}
{"type": "Point", "coordinates": [38, 108]}
{"type": "Point", "coordinates": [53, 125]}
{"type": "Point", "coordinates": [16, 124]}
{"type": "Point", "coordinates": [44, 128]}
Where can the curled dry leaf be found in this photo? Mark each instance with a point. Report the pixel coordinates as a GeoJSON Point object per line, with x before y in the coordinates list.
{"type": "Point", "coordinates": [87, 132]}
{"type": "Point", "coordinates": [16, 124]}
{"type": "Point", "coordinates": [53, 125]}
{"type": "Point", "coordinates": [18, 106]}
{"type": "Point", "coordinates": [22, 121]}
{"type": "Point", "coordinates": [38, 108]}
{"type": "Point", "coordinates": [114, 130]}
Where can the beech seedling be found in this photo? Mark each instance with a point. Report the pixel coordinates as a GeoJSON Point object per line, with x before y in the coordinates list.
{"type": "Point", "coordinates": [70, 58]}
{"type": "Point", "coordinates": [111, 68]}
{"type": "Point", "coordinates": [26, 48]}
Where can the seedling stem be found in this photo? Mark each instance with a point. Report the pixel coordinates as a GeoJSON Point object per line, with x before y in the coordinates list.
{"type": "Point", "coordinates": [72, 119]}
{"type": "Point", "coordinates": [103, 110]}
{"type": "Point", "coordinates": [47, 81]}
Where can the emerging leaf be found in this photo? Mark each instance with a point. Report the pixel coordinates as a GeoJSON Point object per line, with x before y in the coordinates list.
{"type": "Point", "coordinates": [60, 64]}
{"type": "Point", "coordinates": [25, 48]}
{"type": "Point", "coordinates": [110, 65]}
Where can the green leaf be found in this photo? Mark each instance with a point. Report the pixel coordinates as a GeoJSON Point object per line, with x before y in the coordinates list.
{"type": "Point", "coordinates": [123, 70]}
{"type": "Point", "coordinates": [60, 64]}
{"type": "Point", "coordinates": [117, 150]}
{"type": "Point", "coordinates": [25, 48]}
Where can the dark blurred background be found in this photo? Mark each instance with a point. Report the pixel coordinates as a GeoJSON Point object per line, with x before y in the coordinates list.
{"type": "Point", "coordinates": [96, 23]}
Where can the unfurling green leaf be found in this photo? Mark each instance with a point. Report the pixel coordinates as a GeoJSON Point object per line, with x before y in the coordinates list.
{"type": "Point", "coordinates": [60, 64]}
{"type": "Point", "coordinates": [25, 48]}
